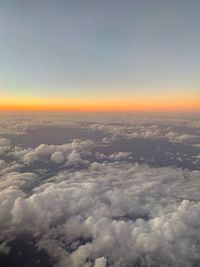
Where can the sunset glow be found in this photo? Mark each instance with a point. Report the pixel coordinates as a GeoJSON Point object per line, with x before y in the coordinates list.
{"type": "Point", "coordinates": [100, 133]}
{"type": "Point", "coordinates": [101, 57]}
{"type": "Point", "coordinates": [191, 105]}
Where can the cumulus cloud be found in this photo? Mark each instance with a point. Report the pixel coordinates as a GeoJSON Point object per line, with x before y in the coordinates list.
{"type": "Point", "coordinates": [3, 164]}
{"type": "Point", "coordinates": [4, 249]}
{"type": "Point", "coordinates": [58, 157]}
{"type": "Point", "coordinates": [100, 262]}
{"type": "Point", "coordinates": [4, 146]}
{"type": "Point", "coordinates": [106, 211]}
{"type": "Point", "coordinates": [4, 142]}
{"type": "Point", "coordinates": [146, 131]}
{"type": "Point", "coordinates": [16, 179]}
{"type": "Point", "coordinates": [11, 124]}
{"type": "Point", "coordinates": [111, 214]}
{"type": "Point", "coordinates": [8, 197]}
{"type": "Point", "coordinates": [120, 156]}
{"type": "Point", "coordinates": [179, 138]}
{"type": "Point", "coordinates": [70, 152]}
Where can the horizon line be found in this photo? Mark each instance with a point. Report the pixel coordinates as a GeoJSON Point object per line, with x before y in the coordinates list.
{"type": "Point", "coordinates": [103, 105]}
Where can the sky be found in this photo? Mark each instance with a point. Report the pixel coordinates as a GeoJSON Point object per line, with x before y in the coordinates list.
{"type": "Point", "coordinates": [109, 55]}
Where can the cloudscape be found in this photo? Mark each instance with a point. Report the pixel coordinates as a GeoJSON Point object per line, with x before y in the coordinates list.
{"type": "Point", "coordinates": [99, 133]}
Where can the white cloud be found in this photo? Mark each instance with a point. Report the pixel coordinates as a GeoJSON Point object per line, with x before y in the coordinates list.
{"type": "Point", "coordinates": [100, 262]}
{"type": "Point", "coordinates": [112, 213]}
{"type": "Point", "coordinates": [70, 152]}
{"type": "Point", "coordinates": [20, 180]}
{"type": "Point", "coordinates": [5, 146]}
{"type": "Point", "coordinates": [7, 199]}
{"type": "Point", "coordinates": [120, 156]}
{"type": "Point", "coordinates": [124, 214]}
{"type": "Point", "coordinates": [58, 157]}
{"type": "Point", "coordinates": [4, 248]}
{"type": "Point", "coordinates": [4, 142]}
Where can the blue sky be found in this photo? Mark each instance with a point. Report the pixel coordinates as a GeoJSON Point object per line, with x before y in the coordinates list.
{"type": "Point", "coordinates": [82, 49]}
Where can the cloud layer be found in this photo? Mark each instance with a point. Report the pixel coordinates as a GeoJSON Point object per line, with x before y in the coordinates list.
{"type": "Point", "coordinates": [111, 213]}
{"type": "Point", "coordinates": [87, 208]}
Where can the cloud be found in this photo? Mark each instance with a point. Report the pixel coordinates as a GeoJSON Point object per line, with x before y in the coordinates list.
{"type": "Point", "coordinates": [4, 249]}
{"type": "Point", "coordinates": [5, 146]}
{"type": "Point", "coordinates": [3, 164]}
{"type": "Point", "coordinates": [146, 131]}
{"type": "Point", "coordinates": [8, 197]}
{"type": "Point", "coordinates": [120, 156]}
{"type": "Point", "coordinates": [11, 124]}
{"type": "Point", "coordinates": [106, 211]}
{"type": "Point", "coordinates": [4, 142]}
{"type": "Point", "coordinates": [180, 138]}
{"type": "Point", "coordinates": [100, 262]}
{"type": "Point", "coordinates": [110, 214]}
{"type": "Point", "coordinates": [70, 152]}
{"type": "Point", "coordinates": [58, 157]}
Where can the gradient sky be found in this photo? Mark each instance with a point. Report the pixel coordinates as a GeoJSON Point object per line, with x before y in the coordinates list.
{"type": "Point", "coordinates": [105, 54]}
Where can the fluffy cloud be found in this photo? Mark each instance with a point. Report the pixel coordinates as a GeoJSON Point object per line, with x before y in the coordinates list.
{"type": "Point", "coordinates": [11, 124]}
{"type": "Point", "coordinates": [100, 262]}
{"type": "Point", "coordinates": [8, 197]}
{"type": "Point", "coordinates": [70, 152]}
{"type": "Point", "coordinates": [4, 249]}
{"type": "Point", "coordinates": [180, 138]}
{"type": "Point", "coordinates": [120, 156]}
{"type": "Point", "coordinates": [111, 214]}
{"type": "Point", "coordinates": [4, 142]}
{"type": "Point", "coordinates": [16, 179]}
{"type": "Point", "coordinates": [148, 131]}
{"type": "Point", "coordinates": [4, 146]}
{"type": "Point", "coordinates": [58, 157]}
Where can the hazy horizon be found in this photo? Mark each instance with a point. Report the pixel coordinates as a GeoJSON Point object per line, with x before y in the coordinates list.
{"type": "Point", "coordinates": [100, 55]}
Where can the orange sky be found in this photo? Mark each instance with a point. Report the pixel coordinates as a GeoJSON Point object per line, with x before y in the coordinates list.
{"type": "Point", "coordinates": [101, 105]}
{"type": "Point", "coordinates": [134, 57]}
